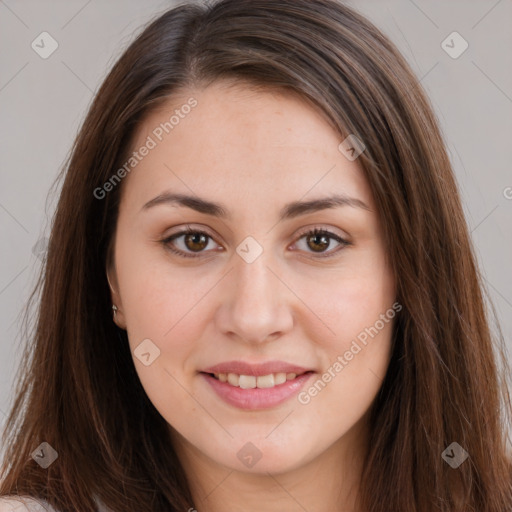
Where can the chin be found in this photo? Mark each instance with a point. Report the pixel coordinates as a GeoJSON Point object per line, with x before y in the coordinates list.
{"type": "Point", "coordinates": [274, 464]}
{"type": "Point", "coordinates": [257, 455]}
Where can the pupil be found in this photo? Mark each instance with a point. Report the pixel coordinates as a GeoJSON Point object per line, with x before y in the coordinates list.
{"type": "Point", "coordinates": [324, 241]}
{"type": "Point", "coordinates": [194, 237]}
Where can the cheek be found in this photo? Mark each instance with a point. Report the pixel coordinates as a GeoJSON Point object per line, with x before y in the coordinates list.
{"type": "Point", "coordinates": [163, 304]}
{"type": "Point", "coordinates": [357, 306]}
{"type": "Point", "coordinates": [164, 307]}
{"type": "Point", "coordinates": [354, 366]}
{"type": "Point", "coordinates": [349, 303]}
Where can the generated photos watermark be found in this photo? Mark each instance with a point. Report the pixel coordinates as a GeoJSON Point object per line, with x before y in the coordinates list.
{"type": "Point", "coordinates": [152, 141]}
{"type": "Point", "coordinates": [304, 397]}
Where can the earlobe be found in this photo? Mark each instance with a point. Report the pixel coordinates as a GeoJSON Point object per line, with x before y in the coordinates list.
{"type": "Point", "coordinates": [117, 312]}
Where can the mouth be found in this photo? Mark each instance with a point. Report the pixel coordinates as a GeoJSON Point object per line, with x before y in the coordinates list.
{"type": "Point", "coordinates": [256, 386]}
{"type": "Point", "coordinates": [268, 381]}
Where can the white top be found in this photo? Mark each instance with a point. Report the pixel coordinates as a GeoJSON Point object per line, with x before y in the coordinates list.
{"type": "Point", "coordinates": [23, 504]}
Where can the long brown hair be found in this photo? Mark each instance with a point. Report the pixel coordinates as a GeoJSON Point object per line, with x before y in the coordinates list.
{"type": "Point", "coordinates": [78, 389]}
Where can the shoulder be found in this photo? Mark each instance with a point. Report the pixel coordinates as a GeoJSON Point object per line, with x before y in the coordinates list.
{"type": "Point", "coordinates": [23, 504]}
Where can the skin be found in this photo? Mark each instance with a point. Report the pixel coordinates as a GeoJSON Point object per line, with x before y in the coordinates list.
{"type": "Point", "coordinates": [253, 151]}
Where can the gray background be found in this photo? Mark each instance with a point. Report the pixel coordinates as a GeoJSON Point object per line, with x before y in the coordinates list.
{"type": "Point", "coordinates": [43, 102]}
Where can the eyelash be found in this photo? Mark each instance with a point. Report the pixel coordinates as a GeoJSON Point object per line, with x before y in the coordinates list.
{"type": "Point", "coordinates": [315, 231]}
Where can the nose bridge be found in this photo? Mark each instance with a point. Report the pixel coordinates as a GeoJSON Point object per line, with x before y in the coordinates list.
{"type": "Point", "coordinates": [255, 286]}
{"type": "Point", "coordinates": [256, 307]}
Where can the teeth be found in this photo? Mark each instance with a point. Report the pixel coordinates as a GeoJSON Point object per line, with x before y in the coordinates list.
{"type": "Point", "coordinates": [233, 379]}
{"type": "Point", "coordinates": [251, 382]}
{"type": "Point", "coordinates": [280, 378]}
{"type": "Point", "coordinates": [247, 381]}
{"type": "Point", "coordinates": [266, 381]}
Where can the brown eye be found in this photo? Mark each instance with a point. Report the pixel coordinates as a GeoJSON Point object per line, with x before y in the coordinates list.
{"type": "Point", "coordinates": [319, 240]}
{"type": "Point", "coordinates": [192, 241]}
{"type": "Point", "coordinates": [196, 241]}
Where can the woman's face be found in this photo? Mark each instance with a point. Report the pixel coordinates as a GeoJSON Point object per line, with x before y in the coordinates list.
{"type": "Point", "coordinates": [304, 318]}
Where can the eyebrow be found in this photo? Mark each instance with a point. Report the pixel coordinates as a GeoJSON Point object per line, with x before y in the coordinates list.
{"type": "Point", "coordinates": [289, 211]}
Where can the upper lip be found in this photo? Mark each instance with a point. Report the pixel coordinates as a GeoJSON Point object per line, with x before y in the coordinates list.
{"type": "Point", "coordinates": [255, 369]}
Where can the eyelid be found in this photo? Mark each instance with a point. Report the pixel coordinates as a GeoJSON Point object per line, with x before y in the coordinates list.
{"type": "Point", "coordinates": [318, 227]}
{"type": "Point", "coordinates": [315, 229]}
{"type": "Point", "coordinates": [308, 230]}
{"type": "Point", "coordinates": [166, 241]}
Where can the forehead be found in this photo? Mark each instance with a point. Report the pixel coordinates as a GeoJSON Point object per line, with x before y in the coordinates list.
{"type": "Point", "coordinates": [246, 142]}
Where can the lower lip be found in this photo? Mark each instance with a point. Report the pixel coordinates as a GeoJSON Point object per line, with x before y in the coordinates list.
{"type": "Point", "coordinates": [257, 398]}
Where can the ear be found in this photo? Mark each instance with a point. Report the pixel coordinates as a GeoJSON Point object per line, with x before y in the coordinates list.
{"type": "Point", "coordinates": [118, 317]}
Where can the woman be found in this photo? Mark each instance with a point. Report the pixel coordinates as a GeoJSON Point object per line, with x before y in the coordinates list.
{"type": "Point", "coordinates": [260, 291]}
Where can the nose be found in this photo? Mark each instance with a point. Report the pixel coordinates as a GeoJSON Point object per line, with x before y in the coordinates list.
{"type": "Point", "coordinates": [257, 305]}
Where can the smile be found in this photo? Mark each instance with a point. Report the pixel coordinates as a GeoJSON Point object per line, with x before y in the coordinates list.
{"type": "Point", "coordinates": [255, 386]}
{"type": "Point", "coordinates": [251, 381]}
